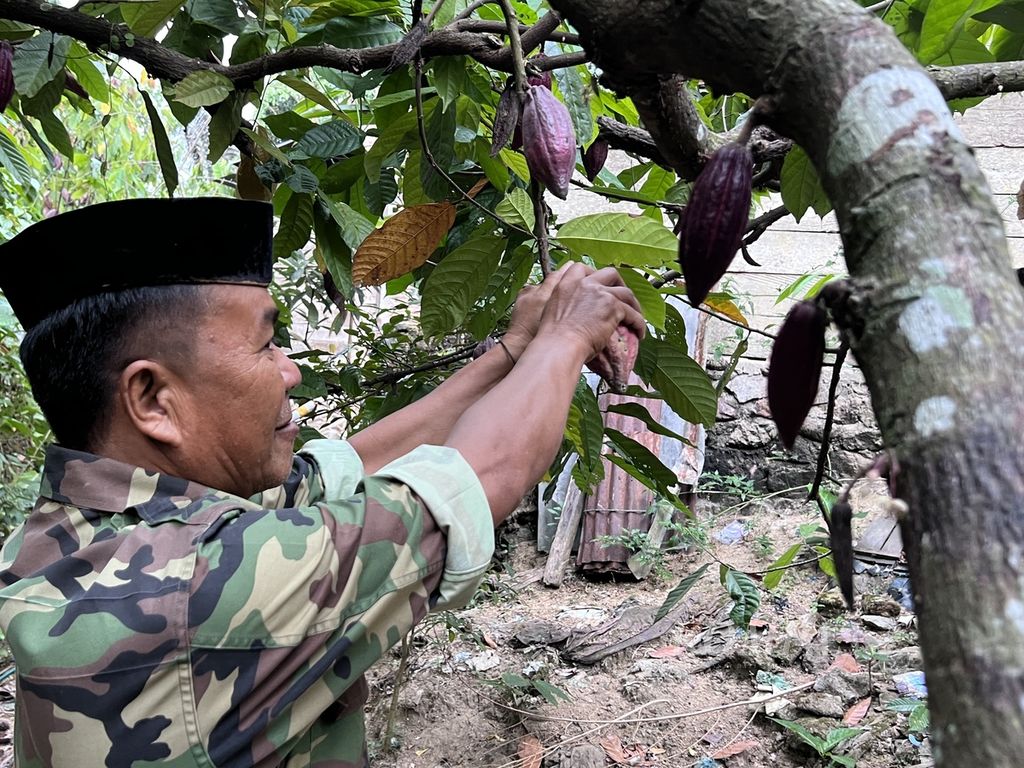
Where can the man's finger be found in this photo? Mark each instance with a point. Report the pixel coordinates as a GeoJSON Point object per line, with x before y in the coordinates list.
{"type": "Point", "coordinates": [625, 294]}
{"type": "Point", "coordinates": [606, 276]}
{"type": "Point", "coordinates": [633, 320]}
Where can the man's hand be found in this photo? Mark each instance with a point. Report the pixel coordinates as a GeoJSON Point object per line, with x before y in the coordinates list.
{"type": "Point", "coordinates": [587, 306]}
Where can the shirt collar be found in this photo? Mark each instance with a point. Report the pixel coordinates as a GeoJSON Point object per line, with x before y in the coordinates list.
{"type": "Point", "coordinates": [105, 485]}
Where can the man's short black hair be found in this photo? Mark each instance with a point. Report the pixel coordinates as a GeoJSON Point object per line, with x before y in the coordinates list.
{"type": "Point", "coordinates": [74, 356]}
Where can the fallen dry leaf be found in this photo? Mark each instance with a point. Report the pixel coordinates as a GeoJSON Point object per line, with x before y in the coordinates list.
{"type": "Point", "coordinates": [847, 663]}
{"type": "Point", "coordinates": [613, 748]}
{"type": "Point", "coordinates": [735, 748]}
{"type": "Point", "coordinates": [856, 713]}
{"type": "Point", "coordinates": [530, 751]}
{"type": "Point", "coordinates": [489, 641]}
{"type": "Point", "coordinates": [758, 623]}
{"type": "Point", "coordinates": [667, 652]}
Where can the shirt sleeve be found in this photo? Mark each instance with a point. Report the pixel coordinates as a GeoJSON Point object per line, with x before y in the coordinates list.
{"type": "Point", "coordinates": [322, 470]}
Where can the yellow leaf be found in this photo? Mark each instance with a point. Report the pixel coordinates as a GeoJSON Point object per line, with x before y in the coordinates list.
{"type": "Point", "coordinates": [248, 184]}
{"type": "Point", "coordinates": [723, 305]}
{"type": "Point", "coordinates": [404, 242]}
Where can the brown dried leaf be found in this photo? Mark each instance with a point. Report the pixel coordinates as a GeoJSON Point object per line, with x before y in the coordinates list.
{"type": "Point", "coordinates": [856, 713]}
{"type": "Point", "coordinates": [404, 242]}
{"type": "Point", "coordinates": [735, 748]}
{"type": "Point", "coordinates": [613, 748]}
{"type": "Point", "coordinates": [667, 652]}
{"type": "Point", "coordinates": [847, 663]}
{"type": "Point", "coordinates": [531, 752]}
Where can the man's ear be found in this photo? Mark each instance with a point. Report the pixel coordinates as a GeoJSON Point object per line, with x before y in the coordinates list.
{"type": "Point", "coordinates": [150, 396]}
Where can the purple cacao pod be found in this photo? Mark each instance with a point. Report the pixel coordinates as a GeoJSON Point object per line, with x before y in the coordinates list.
{"type": "Point", "coordinates": [594, 158]}
{"type": "Point", "coordinates": [506, 119]}
{"type": "Point", "coordinates": [841, 540]}
{"type": "Point", "coordinates": [616, 361]}
{"type": "Point", "coordinates": [517, 138]}
{"type": "Point", "coordinates": [6, 74]}
{"type": "Point", "coordinates": [544, 78]}
{"type": "Point", "coordinates": [549, 140]}
{"type": "Point", "coordinates": [716, 218]}
{"type": "Point", "coordinates": [484, 347]}
{"type": "Point", "coordinates": [795, 368]}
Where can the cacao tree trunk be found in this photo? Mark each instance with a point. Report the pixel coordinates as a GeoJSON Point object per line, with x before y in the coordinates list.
{"type": "Point", "coordinates": [936, 322]}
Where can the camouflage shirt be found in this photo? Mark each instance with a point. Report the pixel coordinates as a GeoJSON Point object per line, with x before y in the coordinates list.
{"type": "Point", "coordinates": [156, 622]}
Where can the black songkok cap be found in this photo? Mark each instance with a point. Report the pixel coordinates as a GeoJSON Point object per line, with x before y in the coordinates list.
{"type": "Point", "coordinates": [133, 244]}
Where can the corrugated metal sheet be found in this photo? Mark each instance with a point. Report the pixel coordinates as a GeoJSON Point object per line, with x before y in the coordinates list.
{"type": "Point", "coordinates": [620, 502]}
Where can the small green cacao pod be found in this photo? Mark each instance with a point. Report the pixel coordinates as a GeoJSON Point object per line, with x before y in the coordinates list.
{"type": "Point", "coordinates": [6, 74]}
{"type": "Point", "coordinates": [615, 362]}
{"type": "Point", "coordinates": [795, 368]}
{"type": "Point", "coordinates": [716, 218]}
{"type": "Point", "coordinates": [549, 140]}
{"type": "Point", "coordinates": [506, 119]}
{"type": "Point", "coordinates": [595, 157]}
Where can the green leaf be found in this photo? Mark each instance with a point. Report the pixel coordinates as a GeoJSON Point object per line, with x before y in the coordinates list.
{"type": "Point", "coordinates": [57, 134]}
{"type": "Point", "coordinates": [440, 130]}
{"type": "Point", "coordinates": [354, 33]}
{"type": "Point", "coordinates": [826, 564]}
{"type": "Point", "coordinates": [449, 77]}
{"type": "Point", "coordinates": [380, 195]}
{"type": "Point", "coordinates": [13, 160]}
{"type": "Point", "coordinates": [652, 303]}
{"type": "Point", "coordinates": [585, 430]}
{"type": "Point", "coordinates": [296, 225]}
{"type": "Point", "coordinates": [333, 252]}
{"type": "Point", "coordinates": [801, 187]}
{"type": "Point", "coordinates": [919, 719]}
{"type": "Point", "coordinates": [516, 162]}
{"type": "Point", "coordinates": [203, 88]}
{"type": "Point", "coordinates": [517, 209]}
{"type": "Point", "coordinates": [219, 14]}
{"type": "Point", "coordinates": [773, 577]}
{"type": "Point", "coordinates": [87, 73]}
{"type": "Point", "coordinates": [38, 60]}
{"type": "Point", "coordinates": [684, 385]}
{"type": "Point", "coordinates": [745, 595]}
{"type": "Point", "coordinates": [354, 226]}
{"type": "Point", "coordinates": [311, 386]}
{"type": "Point", "coordinates": [837, 736]}
{"type": "Point", "coordinates": [302, 179]}
{"type": "Point", "coordinates": [905, 705]}
{"type": "Point", "coordinates": [512, 680]}
{"type": "Point", "coordinates": [637, 411]}
{"type": "Point", "coordinates": [663, 478]}
{"type": "Point", "coordinates": [146, 19]}
{"type": "Point", "coordinates": [501, 290]}
{"type": "Point", "coordinates": [1008, 16]}
{"type": "Point", "coordinates": [574, 96]}
{"type": "Point", "coordinates": [730, 369]}
{"type": "Point", "coordinates": [391, 138]}
{"type": "Point", "coordinates": [679, 592]}
{"type": "Point", "coordinates": [338, 137]}
{"type": "Point", "coordinates": [289, 125]}
{"type": "Point", "coordinates": [224, 125]}
{"type": "Point", "coordinates": [552, 694]}
{"type": "Point", "coordinates": [164, 154]}
{"type": "Point", "coordinates": [354, 8]}
{"type": "Point", "coordinates": [844, 760]}
{"type": "Point", "coordinates": [619, 239]}
{"type": "Point", "coordinates": [818, 745]}
{"type": "Point", "coordinates": [943, 26]}
{"type": "Point", "coordinates": [457, 282]}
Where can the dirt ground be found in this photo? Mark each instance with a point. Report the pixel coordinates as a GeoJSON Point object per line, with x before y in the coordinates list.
{"type": "Point", "coordinates": [682, 699]}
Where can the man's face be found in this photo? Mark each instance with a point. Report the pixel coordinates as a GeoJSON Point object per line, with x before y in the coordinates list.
{"type": "Point", "coordinates": [236, 417]}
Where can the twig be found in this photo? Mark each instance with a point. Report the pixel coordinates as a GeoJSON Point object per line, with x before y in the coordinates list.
{"type": "Point", "coordinates": [389, 729]}
{"type": "Point", "coordinates": [754, 700]}
{"type": "Point", "coordinates": [440, 362]}
{"type": "Point", "coordinates": [516, 44]}
{"type": "Point", "coordinates": [826, 433]}
{"type": "Point", "coordinates": [499, 28]}
{"type": "Point", "coordinates": [760, 225]}
{"type": "Point", "coordinates": [540, 214]}
{"type": "Point", "coordinates": [470, 10]}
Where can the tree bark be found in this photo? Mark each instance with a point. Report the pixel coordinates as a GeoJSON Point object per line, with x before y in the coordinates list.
{"type": "Point", "coordinates": [936, 322]}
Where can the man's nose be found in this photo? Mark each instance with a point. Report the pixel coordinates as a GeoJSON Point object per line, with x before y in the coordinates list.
{"type": "Point", "coordinates": [289, 370]}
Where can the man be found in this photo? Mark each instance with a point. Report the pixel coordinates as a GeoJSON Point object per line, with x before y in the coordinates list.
{"type": "Point", "coordinates": [164, 609]}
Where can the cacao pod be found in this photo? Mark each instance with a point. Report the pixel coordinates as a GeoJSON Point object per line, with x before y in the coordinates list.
{"type": "Point", "coordinates": [795, 368]}
{"type": "Point", "coordinates": [594, 158]}
{"type": "Point", "coordinates": [716, 218]}
{"type": "Point", "coordinates": [484, 347]}
{"type": "Point", "coordinates": [71, 84]}
{"type": "Point", "coordinates": [6, 74]}
{"type": "Point", "coordinates": [506, 119]}
{"type": "Point", "coordinates": [408, 47]}
{"type": "Point", "coordinates": [544, 78]}
{"type": "Point", "coordinates": [841, 539]}
{"type": "Point", "coordinates": [615, 362]}
{"type": "Point", "coordinates": [549, 140]}
{"type": "Point", "coordinates": [517, 138]}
